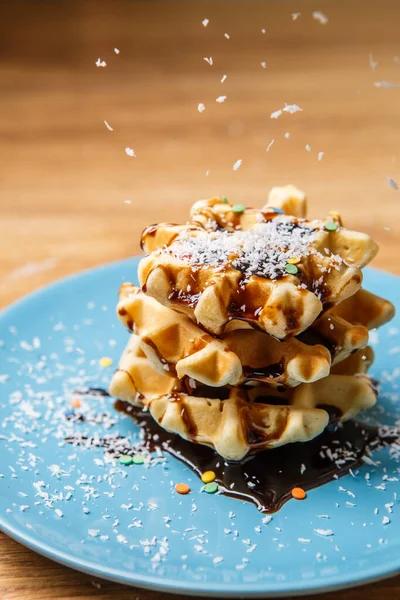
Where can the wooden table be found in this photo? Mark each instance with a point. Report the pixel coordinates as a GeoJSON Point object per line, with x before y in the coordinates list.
{"type": "Point", "coordinates": [66, 180]}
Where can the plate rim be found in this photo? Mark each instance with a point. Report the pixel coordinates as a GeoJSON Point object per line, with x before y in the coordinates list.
{"type": "Point", "coordinates": [280, 589]}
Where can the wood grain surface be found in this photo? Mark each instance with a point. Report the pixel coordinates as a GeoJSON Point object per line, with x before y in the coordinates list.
{"type": "Point", "coordinates": [65, 179]}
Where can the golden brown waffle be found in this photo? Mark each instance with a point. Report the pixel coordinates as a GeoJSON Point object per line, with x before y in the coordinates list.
{"type": "Point", "coordinates": [237, 421]}
{"type": "Point", "coordinates": [357, 248]}
{"type": "Point", "coordinates": [175, 345]}
{"type": "Point", "coordinates": [215, 277]}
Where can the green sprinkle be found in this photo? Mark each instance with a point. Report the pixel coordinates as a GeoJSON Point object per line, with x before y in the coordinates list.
{"type": "Point", "coordinates": [138, 459]}
{"type": "Point", "coordinates": [126, 460]}
{"type": "Point", "coordinates": [331, 226]}
{"type": "Point", "coordinates": [224, 199]}
{"type": "Point", "coordinates": [211, 487]}
{"type": "Point", "coordinates": [238, 208]}
{"type": "Point", "coordinates": [291, 269]}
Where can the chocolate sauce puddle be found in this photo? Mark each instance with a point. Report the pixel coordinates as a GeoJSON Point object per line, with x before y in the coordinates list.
{"type": "Point", "coordinates": [267, 478]}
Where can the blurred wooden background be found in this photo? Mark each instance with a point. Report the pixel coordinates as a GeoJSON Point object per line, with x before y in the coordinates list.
{"type": "Point", "coordinates": [65, 178]}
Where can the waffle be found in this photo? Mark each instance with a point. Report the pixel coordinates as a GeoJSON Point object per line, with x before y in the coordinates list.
{"type": "Point", "coordinates": [237, 421]}
{"type": "Point", "coordinates": [215, 277]}
{"type": "Point", "coordinates": [175, 345]}
{"type": "Point", "coordinates": [356, 248]}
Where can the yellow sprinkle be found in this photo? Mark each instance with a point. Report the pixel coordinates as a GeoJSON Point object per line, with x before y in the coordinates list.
{"type": "Point", "coordinates": [105, 361]}
{"type": "Point", "coordinates": [293, 261]}
{"type": "Point", "coordinates": [208, 476]}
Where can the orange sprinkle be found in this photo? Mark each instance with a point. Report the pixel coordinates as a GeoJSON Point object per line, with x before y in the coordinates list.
{"type": "Point", "coordinates": [76, 402]}
{"type": "Point", "coordinates": [182, 488]}
{"type": "Point", "coordinates": [298, 493]}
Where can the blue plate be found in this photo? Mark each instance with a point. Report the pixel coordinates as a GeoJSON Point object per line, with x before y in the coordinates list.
{"type": "Point", "coordinates": [127, 523]}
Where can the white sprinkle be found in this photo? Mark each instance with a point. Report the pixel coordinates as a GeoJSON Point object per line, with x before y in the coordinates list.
{"type": "Point", "coordinates": [385, 520]}
{"type": "Point", "coordinates": [320, 17]}
{"type": "Point", "coordinates": [251, 548]}
{"type": "Point", "coordinates": [392, 183]}
{"type": "Point", "coordinates": [389, 507]}
{"type": "Point", "coordinates": [292, 108]}
{"type": "Point", "coordinates": [121, 539]}
{"type": "Point", "coordinates": [372, 63]}
{"type": "Point", "coordinates": [221, 99]}
{"type": "Point", "coordinates": [386, 84]}
{"type": "Point", "coordinates": [228, 37]}
{"type": "Point", "coordinates": [320, 155]}
{"type": "Point", "coordinates": [208, 60]}
{"type": "Point", "coordinates": [218, 559]}
{"type": "Point", "coordinates": [324, 532]}
{"type": "Point", "coordinates": [205, 22]}
{"type": "Point", "coordinates": [100, 63]}
{"type": "Point", "coordinates": [295, 16]}
{"type": "Point", "coordinates": [223, 78]}
{"type": "Point", "coordinates": [93, 532]}
{"type": "Point", "coordinates": [130, 151]}
{"type": "Point", "coordinates": [201, 107]}
{"type": "Point", "coordinates": [302, 468]}
{"type": "Point", "coordinates": [264, 64]}
{"type": "Point", "coordinates": [108, 126]}
{"type": "Point", "coordinates": [270, 144]}
{"type": "Point", "coordinates": [267, 519]}
{"type": "Point", "coordinates": [237, 164]}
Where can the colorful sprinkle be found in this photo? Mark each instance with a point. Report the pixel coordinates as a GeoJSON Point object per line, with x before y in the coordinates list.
{"type": "Point", "coordinates": [69, 413]}
{"type": "Point", "coordinates": [208, 476]}
{"type": "Point", "coordinates": [291, 269]}
{"type": "Point", "coordinates": [76, 402]}
{"type": "Point", "coordinates": [298, 493]}
{"type": "Point", "coordinates": [238, 208]}
{"type": "Point", "coordinates": [293, 261]}
{"type": "Point", "coordinates": [106, 361]}
{"type": "Point", "coordinates": [138, 459]}
{"type": "Point", "coordinates": [211, 487]}
{"type": "Point", "coordinates": [125, 460]}
{"type": "Point", "coordinates": [224, 199]}
{"type": "Point", "coordinates": [331, 226]}
{"type": "Point", "coordinates": [182, 488]}
{"type": "Point", "coordinates": [279, 211]}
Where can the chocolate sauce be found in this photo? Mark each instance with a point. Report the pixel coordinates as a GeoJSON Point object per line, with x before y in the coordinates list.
{"type": "Point", "coordinates": [262, 373]}
{"type": "Point", "coordinates": [267, 478]}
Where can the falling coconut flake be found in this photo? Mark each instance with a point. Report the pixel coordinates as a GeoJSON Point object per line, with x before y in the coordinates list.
{"type": "Point", "coordinates": [223, 78]}
{"type": "Point", "coordinates": [228, 37]}
{"type": "Point", "coordinates": [201, 107]}
{"type": "Point", "coordinates": [287, 135]}
{"type": "Point", "coordinates": [100, 63]}
{"type": "Point", "coordinates": [237, 164]}
{"type": "Point", "coordinates": [372, 63]}
{"type": "Point", "coordinates": [270, 144]}
{"type": "Point", "coordinates": [221, 99]}
{"type": "Point", "coordinates": [205, 22]}
{"type": "Point", "coordinates": [208, 60]}
{"type": "Point", "coordinates": [386, 84]}
{"type": "Point", "coordinates": [308, 147]}
{"type": "Point", "coordinates": [276, 114]}
{"type": "Point", "coordinates": [108, 126]}
{"type": "Point", "coordinates": [320, 17]}
{"type": "Point", "coordinates": [263, 30]}
{"type": "Point", "coordinates": [295, 16]}
{"type": "Point", "coordinates": [116, 50]}
{"type": "Point", "coordinates": [320, 155]}
{"type": "Point", "coordinates": [324, 532]}
{"type": "Point", "coordinates": [292, 108]}
{"type": "Point", "coordinates": [130, 151]}
{"type": "Point", "coordinates": [264, 64]}
{"type": "Point", "coordinates": [392, 183]}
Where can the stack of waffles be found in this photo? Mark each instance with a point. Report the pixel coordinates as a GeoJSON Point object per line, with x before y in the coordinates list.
{"type": "Point", "coordinates": [250, 326]}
